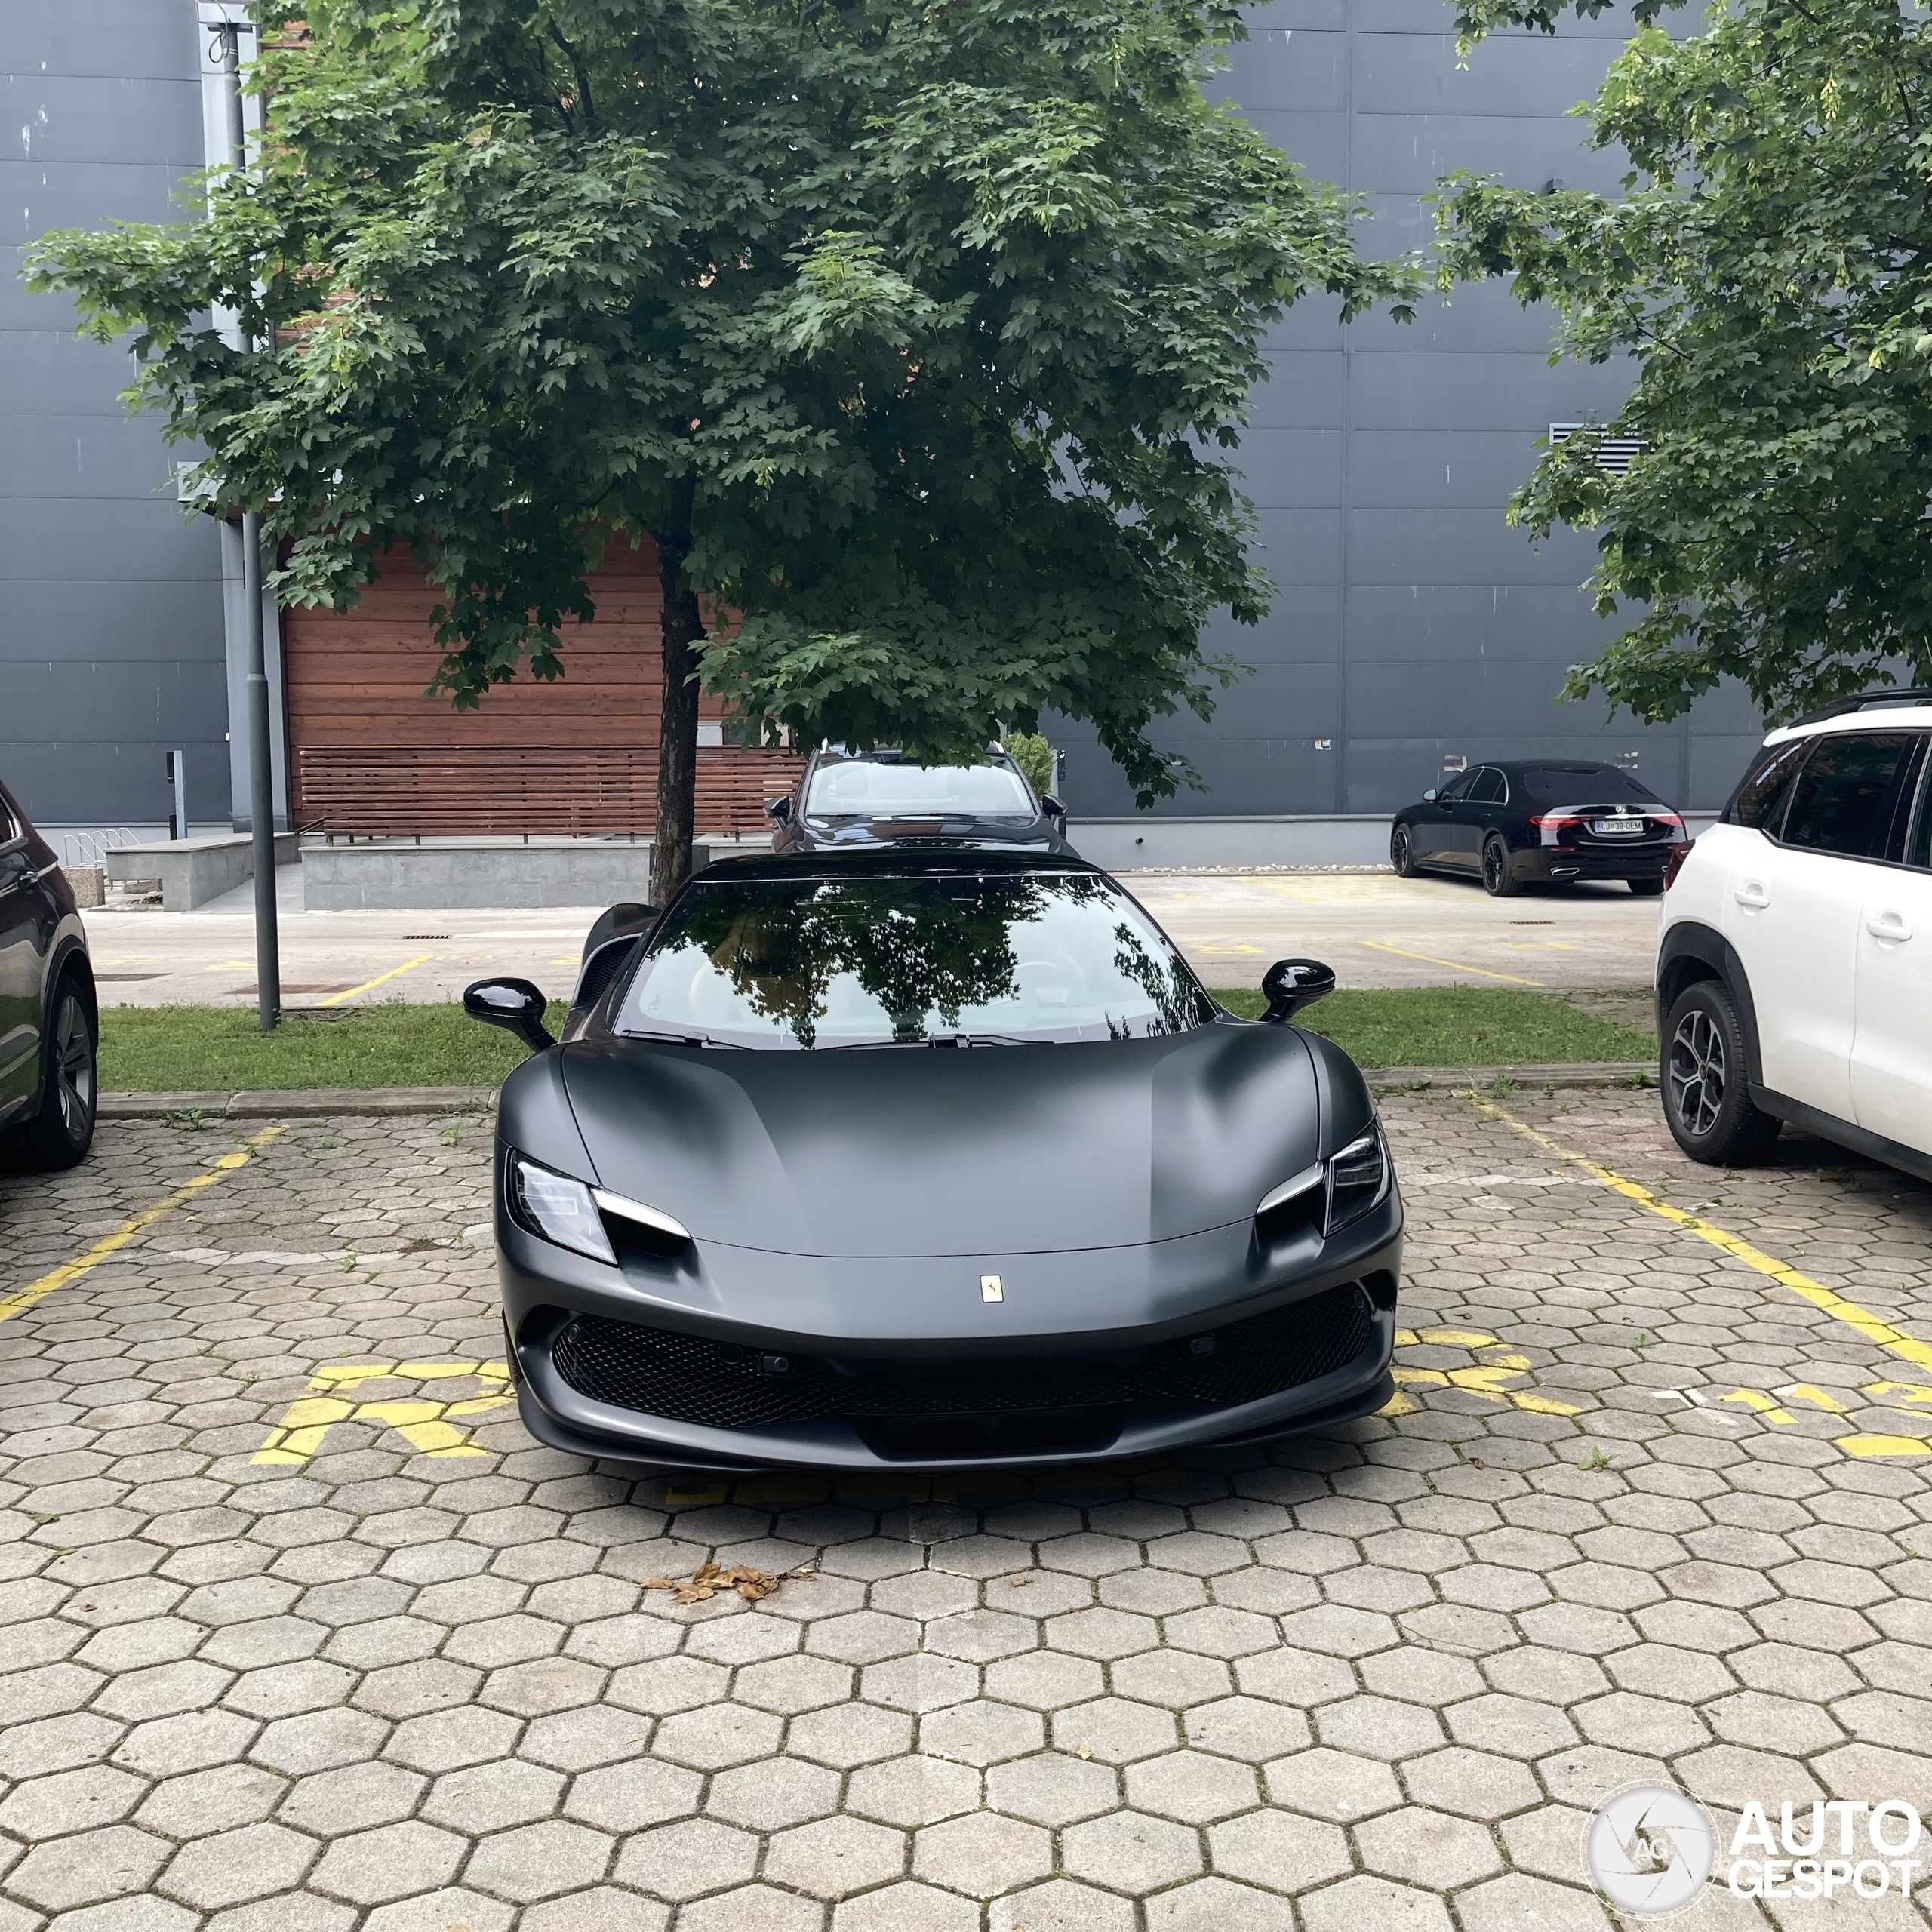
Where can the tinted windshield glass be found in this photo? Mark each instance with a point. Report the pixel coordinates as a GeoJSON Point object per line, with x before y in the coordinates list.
{"type": "Point", "coordinates": [868, 788]}
{"type": "Point", "coordinates": [1585, 785]}
{"type": "Point", "coordinates": [820, 963]}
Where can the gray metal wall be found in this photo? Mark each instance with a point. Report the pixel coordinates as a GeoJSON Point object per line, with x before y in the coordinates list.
{"type": "Point", "coordinates": [111, 642]}
{"type": "Point", "coordinates": [1412, 625]}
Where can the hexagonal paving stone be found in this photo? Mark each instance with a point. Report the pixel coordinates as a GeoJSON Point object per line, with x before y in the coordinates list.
{"type": "Point", "coordinates": [232, 1867]}
{"type": "Point", "coordinates": [1431, 1849]}
{"type": "Point", "coordinates": [1129, 1851]}
{"type": "Point", "coordinates": [1060, 1906]}
{"type": "Point", "coordinates": [1331, 1784]}
{"type": "Point", "coordinates": [1475, 1784]}
{"type": "Point", "coordinates": [835, 1857]}
{"type": "Point", "coordinates": [539, 1861]}
{"type": "Point", "coordinates": [1115, 1730]}
{"type": "Point", "coordinates": [1279, 1850]}
{"type": "Point", "coordinates": [106, 1863]}
{"type": "Point", "coordinates": [908, 1907]}
{"type": "Point", "coordinates": [687, 1859]}
{"type": "Point", "coordinates": [1053, 1788]}
{"type": "Point", "coordinates": [1192, 1786]}
{"type": "Point", "coordinates": [982, 1855]}
{"type": "Point", "coordinates": [775, 1792]}
{"type": "Point", "coordinates": [489, 1798]}
{"type": "Point", "coordinates": [912, 1791]}
{"type": "Point", "coordinates": [627, 1798]}
{"type": "Point", "coordinates": [981, 1732]}
{"type": "Point", "coordinates": [847, 1734]}
{"type": "Point", "coordinates": [392, 1861]}
{"type": "Point", "coordinates": [709, 1741]}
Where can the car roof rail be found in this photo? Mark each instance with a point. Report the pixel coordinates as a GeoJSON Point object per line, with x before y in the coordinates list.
{"type": "Point", "coordinates": [1884, 700]}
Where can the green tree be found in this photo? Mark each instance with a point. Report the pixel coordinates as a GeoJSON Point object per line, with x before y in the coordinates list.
{"type": "Point", "coordinates": [916, 332]}
{"type": "Point", "coordinates": [1768, 266]}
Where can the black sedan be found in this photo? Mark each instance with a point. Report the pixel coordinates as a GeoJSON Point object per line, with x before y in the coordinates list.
{"type": "Point", "coordinates": [1539, 822]}
{"type": "Point", "coordinates": [849, 799]}
{"type": "Point", "coordinates": [48, 1023]}
{"type": "Point", "coordinates": [914, 1159]}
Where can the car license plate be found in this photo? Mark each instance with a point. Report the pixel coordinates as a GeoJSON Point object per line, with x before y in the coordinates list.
{"type": "Point", "coordinates": [1617, 828]}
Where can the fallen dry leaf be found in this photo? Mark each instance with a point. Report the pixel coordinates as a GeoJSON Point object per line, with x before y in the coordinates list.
{"type": "Point", "coordinates": [1085, 1751]}
{"type": "Point", "coordinates": [705, 1581]}
{"type": "Point", "coordinates": [1021, 1583]}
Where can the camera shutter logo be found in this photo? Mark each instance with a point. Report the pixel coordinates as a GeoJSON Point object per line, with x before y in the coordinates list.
{"type": "Point", "coordinates": [1650, 1850]}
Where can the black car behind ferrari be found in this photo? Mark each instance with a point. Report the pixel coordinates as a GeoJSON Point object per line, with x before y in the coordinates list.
{"type": "Point", "coordinates": [48, 1023]}
{"type": "Point", "coordinates": [849, 799]}
{"type": "Point", "coordinates": [931, 1159]}
{"type": "Point", "coordinates": [1539, 822]}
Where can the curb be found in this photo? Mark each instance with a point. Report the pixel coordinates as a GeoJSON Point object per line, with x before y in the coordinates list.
{"type": "Point", "coordinates": [300, 1103]}
{"type": "Point", "coordinates": [306, 1103]}
{"type": "Point", "coordinates": [1601, 1073]}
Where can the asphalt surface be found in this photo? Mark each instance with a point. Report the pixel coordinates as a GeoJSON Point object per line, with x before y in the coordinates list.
{"type": "Point", "coordinates": [1374, 929]}
{"type": "Point", "coordinates": [300, 1632]}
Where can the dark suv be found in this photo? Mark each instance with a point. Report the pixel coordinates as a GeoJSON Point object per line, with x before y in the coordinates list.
{"type": "Point", "coordinates": [847, 800]}
{"type": "Point", "coordinates": [49, 1023]}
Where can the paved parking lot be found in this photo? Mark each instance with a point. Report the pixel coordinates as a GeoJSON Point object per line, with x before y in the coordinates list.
{"type": "Point", "coordinates": [1376, 930]}
{"type": "Point", "coordinates": [302, 1633]}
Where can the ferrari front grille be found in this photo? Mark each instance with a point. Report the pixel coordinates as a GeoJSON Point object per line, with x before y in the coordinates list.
{"type": "Point", "coordinates": [690, 1378]}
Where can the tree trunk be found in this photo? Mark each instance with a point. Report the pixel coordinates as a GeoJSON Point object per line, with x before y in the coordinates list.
{"type": "Point", "coordinates": [683, 632]}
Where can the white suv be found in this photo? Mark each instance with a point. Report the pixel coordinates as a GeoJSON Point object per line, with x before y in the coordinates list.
{"type": "Point", "coordinates": [1794, 970]}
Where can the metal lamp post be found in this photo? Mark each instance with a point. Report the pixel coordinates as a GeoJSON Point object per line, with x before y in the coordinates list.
{"type": "Point", "coordinates": [261, 782]}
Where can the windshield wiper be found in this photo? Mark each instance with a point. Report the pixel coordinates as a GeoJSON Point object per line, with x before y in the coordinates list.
{"type": "Point", "coordinates": [941, 1040]}
{"type": "Point", "coordinates": [685, 1039]}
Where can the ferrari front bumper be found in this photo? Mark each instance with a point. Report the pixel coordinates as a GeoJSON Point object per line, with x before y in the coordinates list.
{"type": "Point", "coordinates": [1090, 1353]}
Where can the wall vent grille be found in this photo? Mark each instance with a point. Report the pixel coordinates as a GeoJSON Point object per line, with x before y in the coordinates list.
{"type": "Point", "coordinates": [1614, 454]}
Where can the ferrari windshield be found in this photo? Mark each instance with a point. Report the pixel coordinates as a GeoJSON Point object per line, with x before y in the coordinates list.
{"type": "Point", "coordinates": [884, 788]}
{"type": "Point", "coordinates": [820, 963]}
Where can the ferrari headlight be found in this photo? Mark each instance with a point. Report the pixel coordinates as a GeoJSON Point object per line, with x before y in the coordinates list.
{"type": "Point", "coordinates": [1358, 1180]}
{"type": "Point", "coordinates": [558, 1208]}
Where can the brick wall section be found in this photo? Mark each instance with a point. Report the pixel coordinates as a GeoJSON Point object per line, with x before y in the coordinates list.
{"type": "Point", "coordinates": [372, 755]}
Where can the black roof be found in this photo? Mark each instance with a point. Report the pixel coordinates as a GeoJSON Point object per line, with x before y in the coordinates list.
{"type": "Point", "coordinates": [1879, 700]}
{"type": "Point", "coordinates": [893, 861]}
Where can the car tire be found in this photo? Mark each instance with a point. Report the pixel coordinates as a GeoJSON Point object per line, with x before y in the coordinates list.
{"type": "Point", "coordinates": [1647, 888]}
{"type": "Point", "coordinates": [1499, 881]}
{"type": "Point", "coordinates": [61, 1134]}
{"type": "Point", "coordinates": [1402, 850]}
{"type": "Point", "coordinates": [1707, 1101]}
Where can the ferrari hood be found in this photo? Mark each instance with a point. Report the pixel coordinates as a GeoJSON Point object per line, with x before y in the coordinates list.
{"type": "Point", "coordinates": [916, 1151]}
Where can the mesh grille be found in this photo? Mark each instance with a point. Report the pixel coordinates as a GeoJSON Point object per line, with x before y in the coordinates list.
{"type": "Point", "coordinates": [688, 1378]}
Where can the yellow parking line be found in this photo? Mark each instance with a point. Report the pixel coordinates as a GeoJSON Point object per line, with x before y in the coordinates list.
{"type": "Point", "coordinates": [24, 1299]}
{"type": "Point", "coordinates": [1382, 945]}
{"type": "Point", "coordinates": [1873, 1327]}
{"type": "Point", "coordinates": [337, 999]}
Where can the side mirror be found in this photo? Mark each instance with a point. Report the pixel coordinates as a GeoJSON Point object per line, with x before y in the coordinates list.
{"type": "Point", "coordinates": [514, 1005]}
{"type": "Point", "coordinates": [779, 810]}
{"type": "Point", "coordinates": [1053, 807]}
{"type": "Point", "coordinates": [1428, 797]}
{"type": "Point", "coordinates": [1291, 984]}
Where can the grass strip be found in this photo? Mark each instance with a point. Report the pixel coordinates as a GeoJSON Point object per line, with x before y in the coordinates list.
{"type": "Point", "coordinates": [163, 1049]}
{"type": "Point", "coordinates": [1461, 1027]}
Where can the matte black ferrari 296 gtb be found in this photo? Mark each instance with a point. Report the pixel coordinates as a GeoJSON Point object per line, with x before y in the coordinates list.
{"type": "Point", "coordinates": [931, 1159]}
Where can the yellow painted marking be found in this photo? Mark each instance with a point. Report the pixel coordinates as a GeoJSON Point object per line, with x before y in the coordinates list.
{"type": "Point", "coordinates": [1809, 1391]}
{"type": "Point", "coordinates": [339, 999]}
{"type": "Point", "coordinates": [1254, 950]}
{"type": "Point", "coordinates": [1400, 1405]}
{"type": "Point", "coordinates": [23, 1299]}
{"type": "Point", "coordinates": [1883, 1445]}
{"type": "Point", "coordinates": [1759, 1404]}
{"type": "Point", "coordinates": [1454, 965]}
{"type": "Point", "coordinates": [1915, 1394]}
{"type": "Point", "coordinates": [1486, 1379]}
{"type": "Point", "coordinates": [1873, 1327]}
{"type": "Point", "coordinates": [425, 1425]}
{"type": "Point", "coordinates": [230, 966]}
